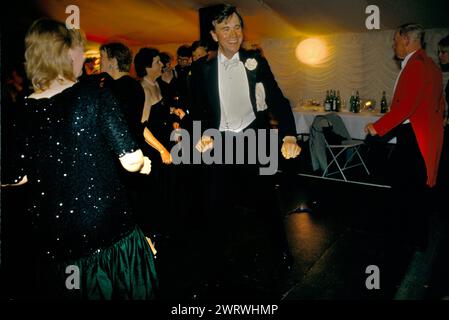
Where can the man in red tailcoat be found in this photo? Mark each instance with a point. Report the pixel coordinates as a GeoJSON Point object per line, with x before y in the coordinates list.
{"type": "Point", "coordinates": [416, 116]}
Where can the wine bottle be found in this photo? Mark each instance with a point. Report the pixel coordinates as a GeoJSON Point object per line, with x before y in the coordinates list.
{"type": "Point", "coordinates": [338, 108]}
{"type": "Point", "coordinates": [352, 102]}
{"type": "Point", "coordinates": [334, 101]}
{"type": "Point", "coordinates": [383, 104]}
{"type": "Point", "coordinates": [327, 102]}
{"type": "Point", "coordinates": [357, 102]}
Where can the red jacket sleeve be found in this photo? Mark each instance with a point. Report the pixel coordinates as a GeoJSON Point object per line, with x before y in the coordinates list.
{"type": "Point", "coordinates": [408, 94]}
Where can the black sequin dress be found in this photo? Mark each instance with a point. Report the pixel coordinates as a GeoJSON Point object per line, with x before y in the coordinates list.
{"type": "Point", "coordinates": [73, 142]}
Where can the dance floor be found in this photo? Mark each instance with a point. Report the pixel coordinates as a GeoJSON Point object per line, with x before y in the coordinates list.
{"type": "Point", "coordinates": [334, 231]}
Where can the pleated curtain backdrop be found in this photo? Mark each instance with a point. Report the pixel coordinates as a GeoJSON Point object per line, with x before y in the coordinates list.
{"type": "Point", "coordinates": [362, 62]}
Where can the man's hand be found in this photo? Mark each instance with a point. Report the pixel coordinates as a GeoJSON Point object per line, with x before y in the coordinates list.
{"type": "Point", "coordinates": [369, 128]}
{"type": "Point", "coordinates": [205, 144]}
{"type": "Point", "coordinates": [179, 112]}
{"type": "Point", "coordinates": [290, 148]}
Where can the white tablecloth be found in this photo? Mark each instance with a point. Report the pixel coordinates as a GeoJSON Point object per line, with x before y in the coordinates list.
{"type": "Point", "coordinates": [354, 122]}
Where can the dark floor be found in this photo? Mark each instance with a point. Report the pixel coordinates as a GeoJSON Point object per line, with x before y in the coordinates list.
{"type": "Point", "coordinates": [334, 231]}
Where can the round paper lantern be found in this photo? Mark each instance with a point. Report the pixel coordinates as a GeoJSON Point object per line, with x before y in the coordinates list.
{"type": "Point", "coordinates": [311, 51]}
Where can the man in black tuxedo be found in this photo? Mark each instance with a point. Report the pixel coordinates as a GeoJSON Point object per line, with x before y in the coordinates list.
{"type": "Point", "coordinates": [228, 32]}
{"type": "Point", "coordinates": [233, 93]}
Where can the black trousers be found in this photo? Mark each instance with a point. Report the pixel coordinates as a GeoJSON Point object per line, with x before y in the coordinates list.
{"type": "Point", "coordinates": [410, 194]}
{"type": "Point", "coordinates": [229, 190]}
{"type": "Point", "coordinates": [442, 186]}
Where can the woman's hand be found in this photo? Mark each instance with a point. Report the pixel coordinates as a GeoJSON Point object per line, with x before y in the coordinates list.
{"type": "Point", "coordinates": [179, 112]}
{"type": "Point", "coordinates": [133, 161]}
{"type": "Point", "coordinates": [146, 168]}
{"type": "Point", "coordinates": [166, 156]}
{"type": "Point", "coordinates": [153, 142]}
{"type": "Point", "coordinates": [18, 183]}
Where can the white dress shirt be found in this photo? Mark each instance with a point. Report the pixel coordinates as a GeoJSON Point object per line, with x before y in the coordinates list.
{"type": "Point", "coordinates": [235, 102]}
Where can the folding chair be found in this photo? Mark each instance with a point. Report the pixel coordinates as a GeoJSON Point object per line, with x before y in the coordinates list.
{"type": "Point", "coordinates": [337, 149]}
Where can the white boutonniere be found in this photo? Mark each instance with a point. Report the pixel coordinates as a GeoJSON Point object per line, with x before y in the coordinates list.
{"type": "Point", "coordinates": [251, 64]}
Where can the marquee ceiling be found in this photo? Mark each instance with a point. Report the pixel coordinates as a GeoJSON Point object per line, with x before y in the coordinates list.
{"type": "Point", "coordinates": [143, 22]}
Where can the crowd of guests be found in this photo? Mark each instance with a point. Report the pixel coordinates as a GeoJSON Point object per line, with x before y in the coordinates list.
{"type": "Point", "coordinates": [98, 118]}
{"type": "Point", "coordinates": [103, 190]}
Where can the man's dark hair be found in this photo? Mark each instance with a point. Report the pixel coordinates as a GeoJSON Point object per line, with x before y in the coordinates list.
{"type": "Point", "coordinates": [89, 60]}
{"type": "Point", "coordinates": [414, 31]}
{"type": "Point", "coordinates": [198, 43]}
{"type": "Point", "coordinates": [184, 51]}
{"type": "Point", "coordinates": [165, 58]}
{"type": "Point", "coordinates": [444, 43]}
{"type": "Point", "coordinates": [144, 59]}
{"type": "Point", "coordinates": [120, 52]}
{"type": "Point", "coordinates": [222, 12]}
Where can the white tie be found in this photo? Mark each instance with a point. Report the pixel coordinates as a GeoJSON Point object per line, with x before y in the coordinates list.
{"type": "Point", "coordinates": [230, 63]}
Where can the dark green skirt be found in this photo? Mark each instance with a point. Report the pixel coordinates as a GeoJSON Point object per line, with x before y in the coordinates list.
{"type": "Point", "coordinates": [123, 271]}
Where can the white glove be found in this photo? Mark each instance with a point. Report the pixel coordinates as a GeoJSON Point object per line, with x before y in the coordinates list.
{"type": "Point", "coordinates": [146, 169]}
{"type": "Point", "coordinates": [205, 144]}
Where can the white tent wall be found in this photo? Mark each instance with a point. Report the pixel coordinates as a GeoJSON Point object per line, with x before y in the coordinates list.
{"type": "Point", "coordinates": [355, 61]}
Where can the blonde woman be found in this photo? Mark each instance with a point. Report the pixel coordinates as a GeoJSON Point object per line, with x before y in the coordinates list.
{"type": "Point", "coordinates": [88, 245]}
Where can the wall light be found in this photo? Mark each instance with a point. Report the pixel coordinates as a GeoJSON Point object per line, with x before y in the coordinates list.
{"type": "Point", "coordinates": [311, 51]}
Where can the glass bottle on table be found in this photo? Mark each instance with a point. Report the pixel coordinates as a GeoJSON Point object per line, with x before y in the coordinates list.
{"type": "Point", "coordinates": [334, 101]}
{"type": "Point", "coordinates": [300, 100]}
{"type": "Point", "coordinates": [383, 104]}
{"type": "Point", "coordinates": [338, 102]}
{"type": "Point", "coordinates": [352, 102]}
{"type": "Point", "coordinates": [327, 102]}
{"type": "Point", "coordinates": [357, 102]}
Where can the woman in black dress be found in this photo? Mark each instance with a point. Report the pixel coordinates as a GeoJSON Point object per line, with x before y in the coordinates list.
{"type": "Point", "coordinates": [116, 61]}
{"type": "Point", "coordinates": [158, 114]}
{"type": "Point", "coordinates": [75, 144]}
{"type": "Point", "coordinates": [159, 117]}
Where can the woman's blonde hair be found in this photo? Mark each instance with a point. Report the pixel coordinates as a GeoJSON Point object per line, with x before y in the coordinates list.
{"type": "Point", "coordinates": [47, 44]}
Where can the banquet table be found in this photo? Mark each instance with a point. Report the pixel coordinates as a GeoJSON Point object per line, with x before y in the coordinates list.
{"type": "Point", "coordinates": [355, 122]}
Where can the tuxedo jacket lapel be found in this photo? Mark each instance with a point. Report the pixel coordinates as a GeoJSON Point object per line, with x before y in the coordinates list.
{"type": "Point", "coordinates": [252, 80]}
{"type": "Point", "coordinates": [212, 86]}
